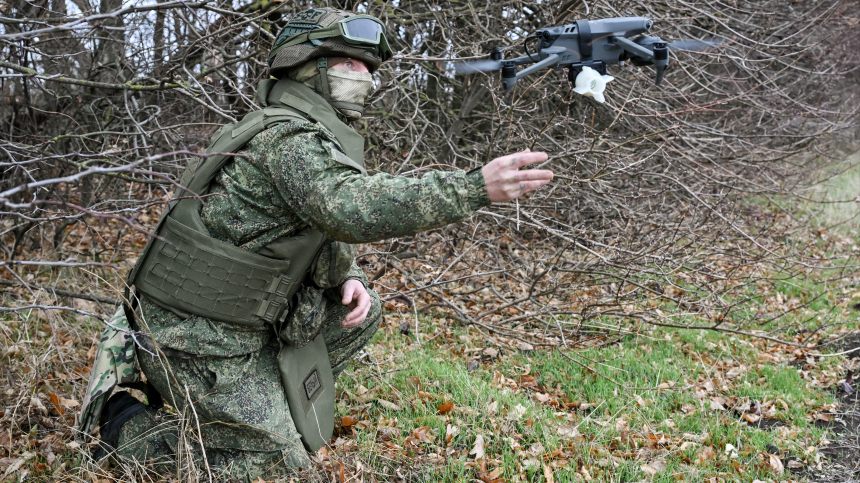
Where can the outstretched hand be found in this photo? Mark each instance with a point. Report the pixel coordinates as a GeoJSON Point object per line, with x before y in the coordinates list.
{"type": "Point", "coordinates": [506, 182]}
{"type": "Point", "coordinates": [354, 296]}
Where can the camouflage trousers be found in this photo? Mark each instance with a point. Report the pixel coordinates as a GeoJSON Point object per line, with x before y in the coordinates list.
{"type": "Point", "coordinates": [234, 404]}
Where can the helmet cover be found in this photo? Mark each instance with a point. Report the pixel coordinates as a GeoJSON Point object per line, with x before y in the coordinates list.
{"type": "Point", "coordinates": [284, 57]}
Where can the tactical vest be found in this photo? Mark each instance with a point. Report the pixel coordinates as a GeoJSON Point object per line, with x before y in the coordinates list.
{"type": "Point", "coordinates": [187, 270]}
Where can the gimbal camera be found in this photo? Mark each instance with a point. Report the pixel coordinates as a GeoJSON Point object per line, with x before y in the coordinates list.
{"type": "Point", "coordinates": [585, 48]}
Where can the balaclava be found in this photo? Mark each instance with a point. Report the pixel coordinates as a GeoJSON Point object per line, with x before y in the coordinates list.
{"type": "Point", "coordinates": [345, 90]}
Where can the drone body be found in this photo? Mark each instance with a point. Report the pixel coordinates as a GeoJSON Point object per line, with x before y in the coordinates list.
{"type": "Point", "coordinates": [585, 43]}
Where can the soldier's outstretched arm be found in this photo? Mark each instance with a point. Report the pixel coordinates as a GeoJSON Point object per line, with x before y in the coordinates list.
{"type": "Point", "coordinates": [353, 208]}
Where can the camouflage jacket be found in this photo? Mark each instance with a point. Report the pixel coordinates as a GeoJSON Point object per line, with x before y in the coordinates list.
{"type": "Point", "coordinates": [291, 179]}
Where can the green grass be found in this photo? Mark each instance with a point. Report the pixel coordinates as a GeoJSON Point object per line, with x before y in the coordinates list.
{"type": "Point", "coordinates": [843, 217]}
{"type": "Point", "coordinates": [656, 391]}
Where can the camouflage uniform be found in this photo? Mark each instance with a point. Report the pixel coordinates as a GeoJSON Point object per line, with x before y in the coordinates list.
{"type": "Point", "coordinates": [290, 180]}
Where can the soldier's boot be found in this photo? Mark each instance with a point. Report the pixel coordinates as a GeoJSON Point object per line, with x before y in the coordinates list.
{"type": "Point", "coordinates": [119, 409]}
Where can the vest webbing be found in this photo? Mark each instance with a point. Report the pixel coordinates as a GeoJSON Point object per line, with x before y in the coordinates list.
{"type": "Point", "coordinates": [186, 269]}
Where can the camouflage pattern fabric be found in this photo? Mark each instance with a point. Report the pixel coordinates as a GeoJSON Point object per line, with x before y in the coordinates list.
{"type": "Point", "coordinates": [238, 401]}
{"type": "Point", "coordinates": [115, 364]}
{"type": "Point", "coordinates": [290, 180]}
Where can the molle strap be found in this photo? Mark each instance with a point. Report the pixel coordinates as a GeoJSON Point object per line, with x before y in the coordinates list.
{"type": "Point", "coordinates": [583, 30]}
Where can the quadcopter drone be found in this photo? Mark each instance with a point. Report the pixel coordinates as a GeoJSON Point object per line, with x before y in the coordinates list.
{"type": "Point", "coordinates": [585, 48]}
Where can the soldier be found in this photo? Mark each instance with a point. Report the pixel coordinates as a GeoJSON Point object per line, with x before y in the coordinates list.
{"type": "Point", "coordinates": [247, 306]}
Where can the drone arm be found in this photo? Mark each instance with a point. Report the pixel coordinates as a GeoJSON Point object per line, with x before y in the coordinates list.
{"type": "Point", "coordinates": [551, 60]}
{"type": "Point", "coordinates": [509, 81]}
{"type": "Point", "coordinates": [633, 48]}
{"type": "Point", "coordinates": [522, 60]}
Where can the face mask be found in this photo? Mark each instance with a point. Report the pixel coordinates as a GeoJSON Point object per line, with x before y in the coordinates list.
{"type": "Point", "coordinates": [350, 91]}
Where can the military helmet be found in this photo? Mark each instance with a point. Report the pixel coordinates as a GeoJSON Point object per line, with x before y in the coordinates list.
{"type": "Point", "coordinates": [328, 32]}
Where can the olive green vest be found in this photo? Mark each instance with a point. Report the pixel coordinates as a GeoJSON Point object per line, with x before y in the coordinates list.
{"type": "Point", "coordinates": [185, 269]}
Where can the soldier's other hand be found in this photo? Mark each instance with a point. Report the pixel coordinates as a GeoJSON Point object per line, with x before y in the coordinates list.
{"type": "Point", "coordinates": [506, 182]}
{"type": "Point", "coordinates": [355, 297]}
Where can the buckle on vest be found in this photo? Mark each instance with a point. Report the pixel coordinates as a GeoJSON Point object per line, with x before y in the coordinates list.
{"type": "Point", "coordinates": [273, 307]}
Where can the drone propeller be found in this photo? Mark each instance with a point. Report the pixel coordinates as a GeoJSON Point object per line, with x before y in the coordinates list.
{"type": "Point", "coordinates": [694, 45]}
{"type": "Point", "coordinates": [470, 66]}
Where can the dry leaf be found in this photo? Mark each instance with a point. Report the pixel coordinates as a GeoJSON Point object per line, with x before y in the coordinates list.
{"type": "Point", "coordinates": [423, 434]}
{"type": "Point", "coordinates": [568, 431]}
{"type": "Point", "coordinates": [18, 463]}
{"type": "Point", "coordinates": [649, 470]}
{"type": "Point", "coordinates": [56, 402]}
{"type": "Point", "coordinates": [547, 473]}
{"type": "Point", "coordinates": [707, 453]}
{"type": "Point", "coordinates": [752, 418]}
{"type": "Point", "coordinates": [528, 381]}
{"type": "Point", "coordinates": [525, 348]}
{"type": "Point", "coordinates": [551, 454]}
{"type": "Point", "coordinates": [445, 408]}
{"type": "Point", "coordinates": [450, 432]}
{"type": "Point", "coordinates": [36, 403]}
{"type": "Point", "coordinates": [388, 405]}
{"type": "Point", "coordinates": [478, 448]}
{"type": "Point", "coordinates": [347, 421]}
{"type": "Point", "coordinates": [775, 463]}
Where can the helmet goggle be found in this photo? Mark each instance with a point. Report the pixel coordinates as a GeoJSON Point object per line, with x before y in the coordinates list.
{"type": "Point", "coordinates": [362, 29]}
{"type": "Point", "coordinates": [358, 30]}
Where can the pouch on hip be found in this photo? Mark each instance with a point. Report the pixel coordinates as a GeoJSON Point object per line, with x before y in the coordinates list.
{"type": "Point", "coordinates": [309, 385]}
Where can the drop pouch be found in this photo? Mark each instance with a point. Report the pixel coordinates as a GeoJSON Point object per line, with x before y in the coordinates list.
{"type": "Point", "coordinates": [305, 368]}
{"type": "Point", "coordinates": [309, 385]}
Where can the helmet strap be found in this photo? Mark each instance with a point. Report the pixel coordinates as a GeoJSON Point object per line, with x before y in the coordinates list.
{"type": "Point", "coordinates": [322, 66]}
